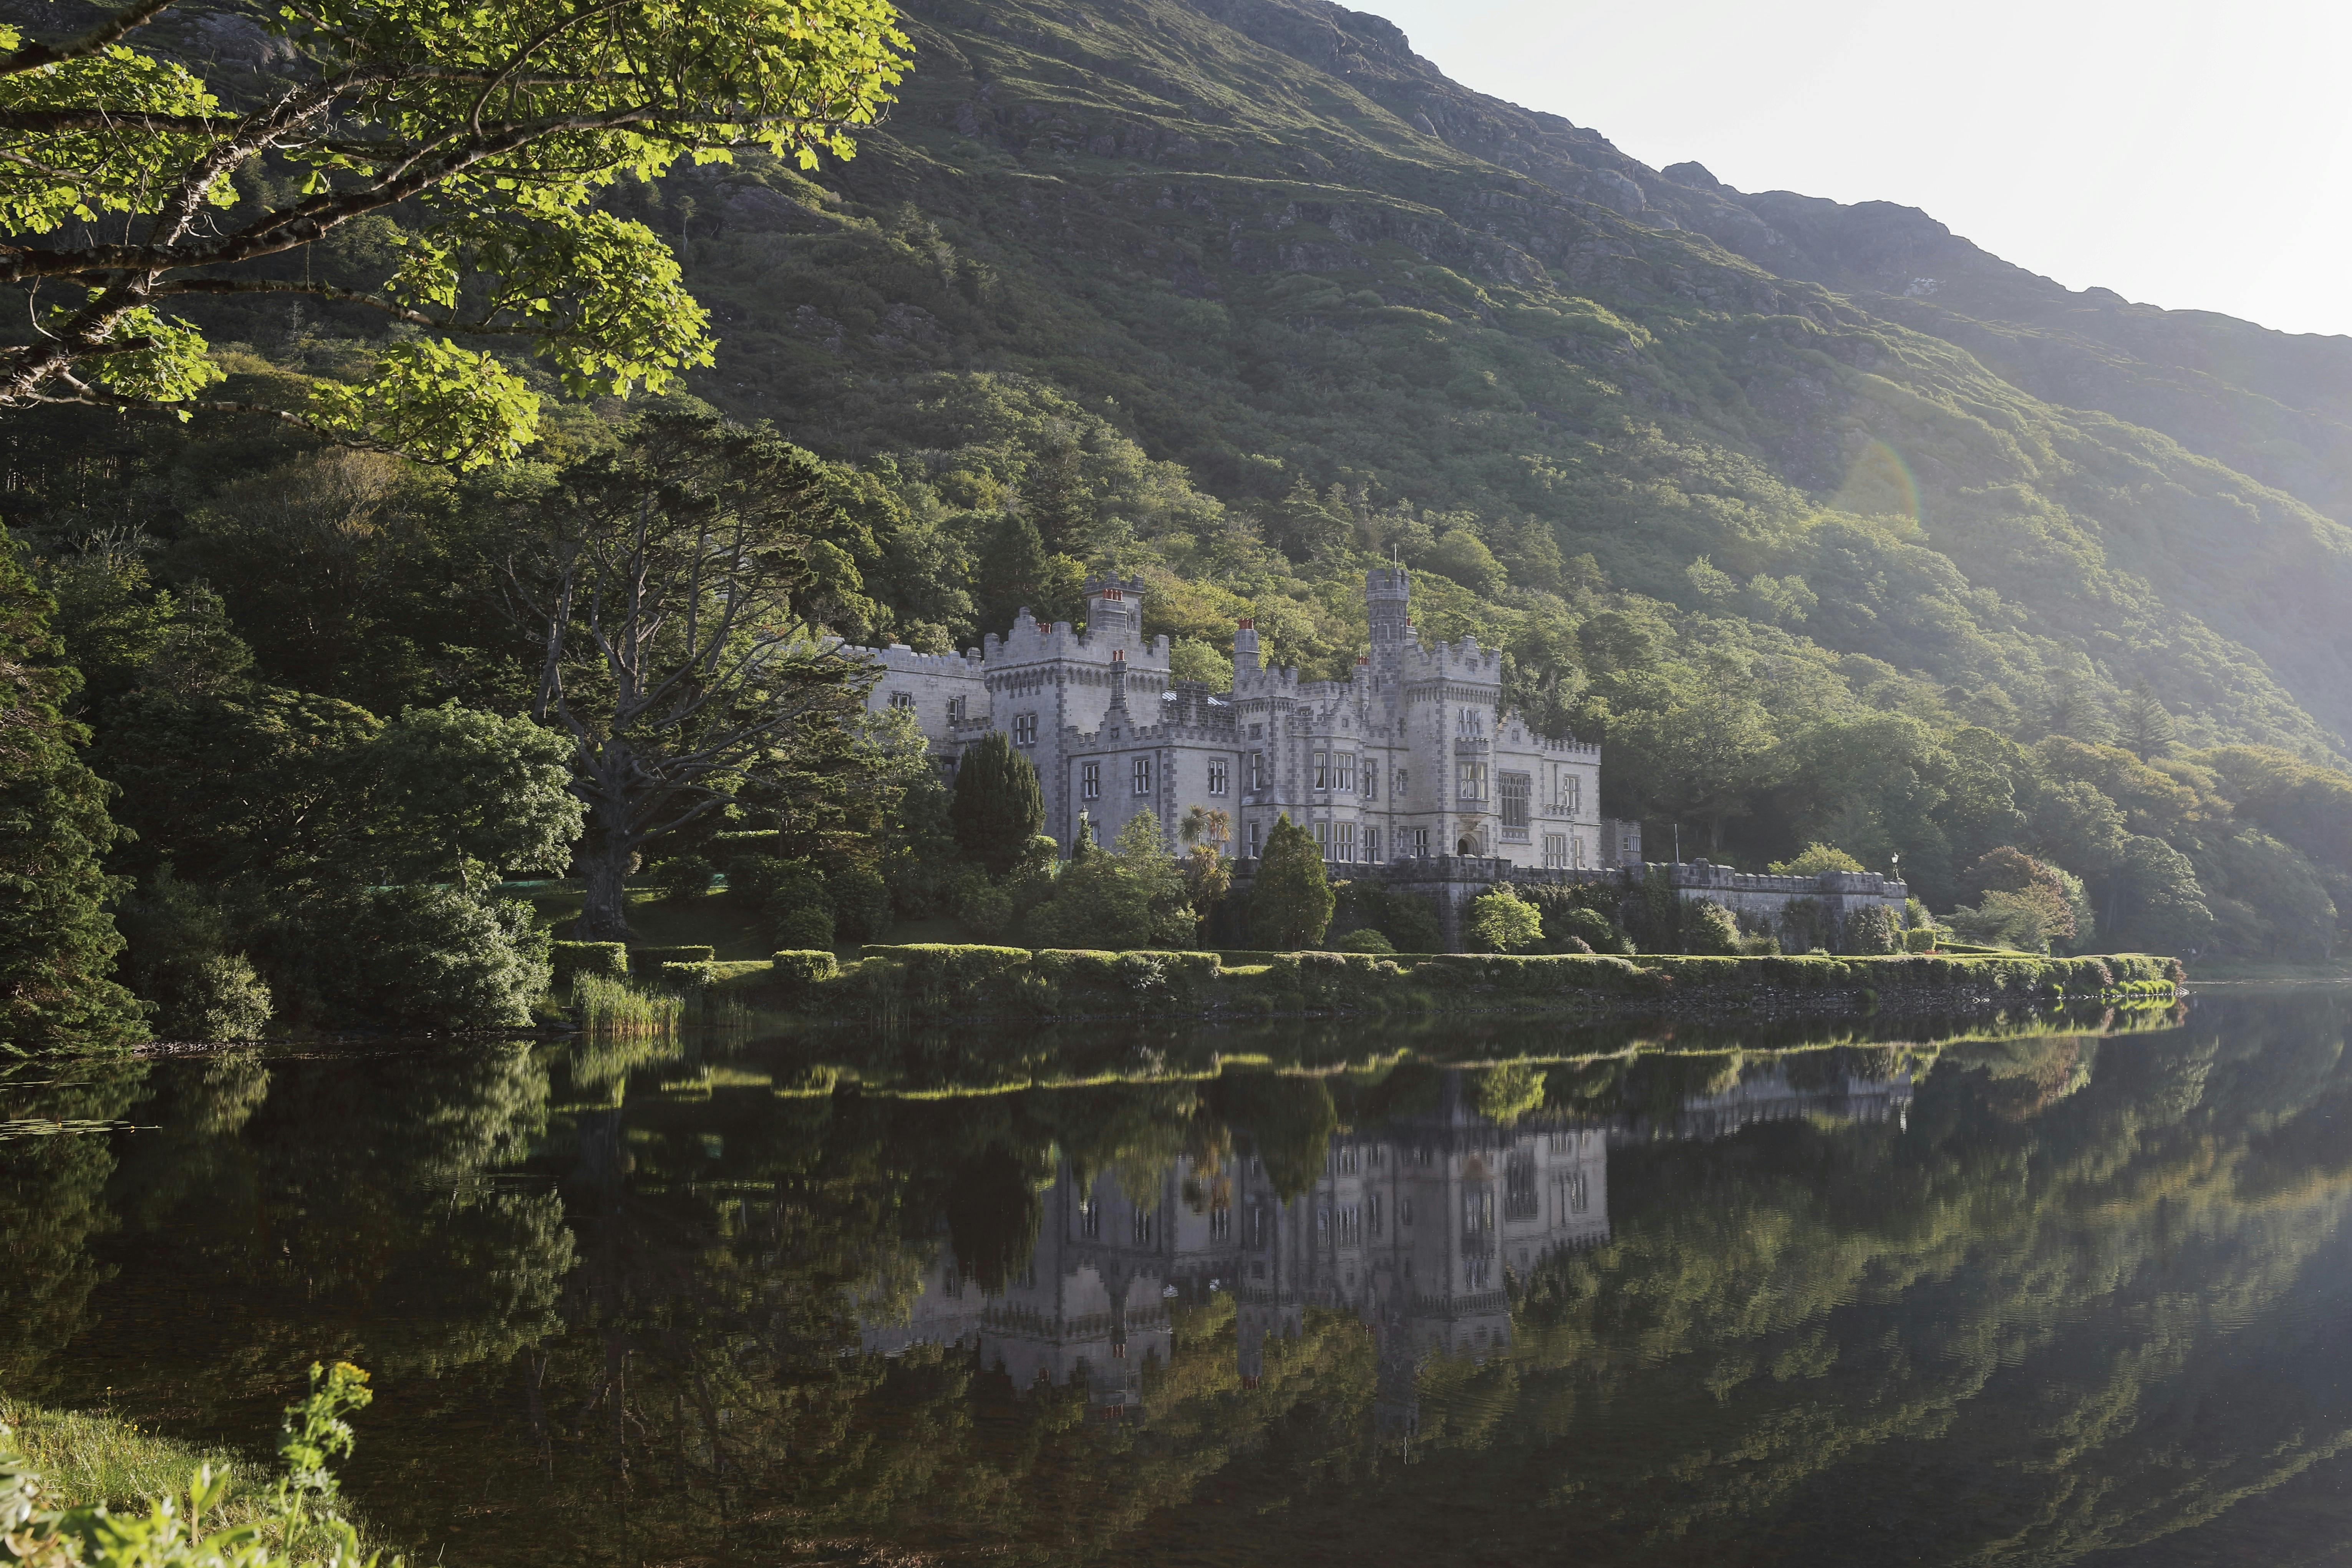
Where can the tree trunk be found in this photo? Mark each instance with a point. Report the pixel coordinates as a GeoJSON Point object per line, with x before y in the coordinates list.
{"type": "Point", "coordinates": [604, 865]}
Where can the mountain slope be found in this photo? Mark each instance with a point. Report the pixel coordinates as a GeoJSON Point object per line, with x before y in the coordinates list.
{"type": "Point", "coordinates": [1269, 243]}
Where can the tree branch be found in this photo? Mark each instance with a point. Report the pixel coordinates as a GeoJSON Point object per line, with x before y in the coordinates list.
{"type": "Point", "coordinates": [343, 296]}
{"type": "Point", "coordinates": [33, 56]}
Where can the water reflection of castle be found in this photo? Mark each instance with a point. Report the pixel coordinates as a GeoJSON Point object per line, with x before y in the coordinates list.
{"type": "Point", "coordinates": [1413, 1227]}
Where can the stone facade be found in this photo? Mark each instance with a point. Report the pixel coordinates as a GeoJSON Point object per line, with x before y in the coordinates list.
{"type": "Point", "coordinates": [1452, 882]}
{"type": "Point", "coordinates": [1412, 756]}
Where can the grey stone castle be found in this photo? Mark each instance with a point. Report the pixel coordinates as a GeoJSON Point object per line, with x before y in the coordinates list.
{"type": "Point", "coordinates": [1412, 757]}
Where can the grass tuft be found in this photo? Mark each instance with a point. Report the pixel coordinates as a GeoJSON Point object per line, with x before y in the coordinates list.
{"type": "Point", "coordinates": [91, 1456]}
{"type": "Point", "coordinates": [615, 1008]}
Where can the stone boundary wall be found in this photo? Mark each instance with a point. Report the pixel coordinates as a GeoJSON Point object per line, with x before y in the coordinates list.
{"type": "Point", "coordinates": [1452, 881]}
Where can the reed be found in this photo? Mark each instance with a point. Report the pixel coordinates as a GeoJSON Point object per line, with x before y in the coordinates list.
{"type": "Point", "coordinates": [614, 1007]}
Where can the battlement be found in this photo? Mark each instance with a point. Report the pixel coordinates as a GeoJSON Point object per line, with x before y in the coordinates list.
{"type": "Point", "coordinates": [1191, 705]}
{"type": "Point", "coordinates": [1462, 660]}
{"type": "Point", "coordinates": [1567, 748]}
{"type": "Point", "coordinates": [900, 659]}
{"type": "Point", "coordinates": [1251, 681]}
{"type": "Point", "coordinates": [1033, 641]}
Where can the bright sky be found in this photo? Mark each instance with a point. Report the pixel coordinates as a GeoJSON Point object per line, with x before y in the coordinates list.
{"type": "Point", "coordinates": [2187, 153]}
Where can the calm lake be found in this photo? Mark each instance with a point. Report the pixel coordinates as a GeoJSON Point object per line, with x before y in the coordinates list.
{"type": "Point", "coordinates": [2074, 1292]}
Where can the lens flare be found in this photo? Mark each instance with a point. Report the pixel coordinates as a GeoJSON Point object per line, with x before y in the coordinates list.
{"type": "Point", "coordinates": [1879, 483]}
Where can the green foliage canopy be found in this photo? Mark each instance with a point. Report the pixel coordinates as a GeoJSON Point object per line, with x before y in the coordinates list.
{"type": "Point", "coordinates": [1291, 902]}
{"type": "Point", "coordinates": [998, 806]}
{"type": "Point", "coordinates": [497, 124]}
{"type": "Point", "coordinates": [57, 942]}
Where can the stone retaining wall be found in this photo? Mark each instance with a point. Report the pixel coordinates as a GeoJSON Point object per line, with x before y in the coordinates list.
{"type": "Point", "coordinates": [1452, 881]}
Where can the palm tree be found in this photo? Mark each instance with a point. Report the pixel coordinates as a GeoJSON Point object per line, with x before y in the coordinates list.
{"type": "Point", "coordinates": [1205, 875]}
{"type": "Point", "coordinates": [1205, 825]}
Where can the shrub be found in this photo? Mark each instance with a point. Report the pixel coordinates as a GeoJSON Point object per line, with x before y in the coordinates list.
{"type": "Point", "coordinates": [685, 973]}
{"type": "Point", "coordinates": [1922, 940]}
{"type": "Point", "coordinates": [1501, 921]}
{"type": "Point", "coordinates": [1708, 929]}
{"type": "Point", "coordinates": [410, 958]}
{"type": "Point", "coordinates": [571, 958]}
{"type": "Point", "coordinates": [297, 1523]}
{"type": "Point", "coordinates": [1872, 931]}
{"type": "Point", "coordinates": [1413, 924]}
{"type": "Point", "coordinates": [985, 911]}
{"type": "Point", "coordinates": [1131, 896]}
{"type": "Point", "coordinates": [753, 877]}
{"type": "Point", "coordinates": [803, 926]}
{"type": "Point", "coordinates": [683, 877]}
{"type": "Point", "coordinates": [648, 960]}
{"type": "Point", "coordinates": [998, 806]}
{"type": "Point", "coordinates": [802, 970]}
{"type": "Point", "coordinates": [178, 962]}
{"type": "Point", "coordinates": [1291, 900]}
{"type": "Point", "coordinates": [216, 998]}
{"type": "Point", "coordinates": [950, 978]}
{"type": "Point", "coordinates": [1364, 940]}
{"type": "Point", "coordinates": [861, 903]}
{"type": "Point", "coordinates": [1592, 930]}
{"type": "Point", "coordinates": [1815, 860]}
{"type": "Point", "coordinates": [781, 889]}
{"type": "Point", "coordinates": [1805, 926]}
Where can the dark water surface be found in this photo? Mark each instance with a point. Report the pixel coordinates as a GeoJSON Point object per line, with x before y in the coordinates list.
{"type": "Point", "coordinates": [2030, 1297]}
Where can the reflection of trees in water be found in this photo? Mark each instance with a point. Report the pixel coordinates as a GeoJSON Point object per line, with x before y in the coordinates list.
{"type": "Point", "coordinates": [2025, 1296]}
{"type": "Point", "coordinates": [2071, 1308]}
{"type": "Point", "coordinates": [324, 1208]}
{"type": "Point", "coordinates": [53, 1207]}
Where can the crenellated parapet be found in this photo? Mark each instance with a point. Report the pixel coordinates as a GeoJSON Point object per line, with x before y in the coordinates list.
{"type": "Point", "coordinates": [1032, 641]}
{"type": "Point", "coordinates": [900, 659]}
{"type": "Point", "coordinates": [1464, 661]}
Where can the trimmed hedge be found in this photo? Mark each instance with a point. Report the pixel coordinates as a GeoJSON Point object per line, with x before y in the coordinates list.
{"type": "Point", "coordinates": [685, 976]}
{"type": "Point", "coordinates": [610, 959]}
{"type": "Point", "coordinates": [801, 968]}
{"type": "Point", "coordinates": [1542, 974]}
{"type": "Point", "coordinates": [647, 962]}
{"type": "Point", "coordinates": [938, 980]}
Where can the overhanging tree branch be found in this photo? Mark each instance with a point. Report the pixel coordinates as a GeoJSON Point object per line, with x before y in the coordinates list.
{"type": "Point", "coordinates": [396, 110]}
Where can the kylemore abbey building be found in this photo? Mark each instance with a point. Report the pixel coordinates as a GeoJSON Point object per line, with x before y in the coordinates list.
{"type": "Point", "coordinates": [1412, 756]}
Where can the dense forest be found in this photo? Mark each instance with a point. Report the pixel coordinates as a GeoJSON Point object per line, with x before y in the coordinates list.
{"type": "Point", "coordinates": [1831, 528]}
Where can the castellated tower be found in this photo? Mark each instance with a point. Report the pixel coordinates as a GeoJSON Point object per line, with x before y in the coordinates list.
{"type": "Point", "coordinates": [1388, 601]}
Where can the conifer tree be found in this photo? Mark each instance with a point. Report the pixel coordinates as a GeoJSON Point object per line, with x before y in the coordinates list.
{"type": "Point", "coordinates": [1057, 497]}
{"type": "Point", "coordinates": [1290, 905]}
{"type": "Point", "coordinates": [57, 942]}
{"type": "Point", "coordinates": [998, 806]}
{"type": "Point", "coordinates": [2147, 727]}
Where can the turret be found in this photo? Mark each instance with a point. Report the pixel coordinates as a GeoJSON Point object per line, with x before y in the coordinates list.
{"type": "Point", "coordinates": [1115, 610]}
{"type": "Point", "coordinates": [1388, 605]}
{"type": "Point", "coordinates": [1244, 650]}
{"type": "Point", "coordinates": [1388, 597]}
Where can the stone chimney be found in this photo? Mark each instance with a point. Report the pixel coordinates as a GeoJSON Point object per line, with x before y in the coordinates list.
{"type": "Point", "coordinates": [1245, 647]}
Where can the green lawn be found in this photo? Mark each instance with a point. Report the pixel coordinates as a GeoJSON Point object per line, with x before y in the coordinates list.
{"type": "Point", "coordinates": [85, 1456]}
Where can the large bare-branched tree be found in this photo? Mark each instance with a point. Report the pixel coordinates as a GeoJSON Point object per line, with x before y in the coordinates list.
{"type": "Point", "coordinates": [664, 584]}
{"type": "Point", "coordinates": [486, 128]}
